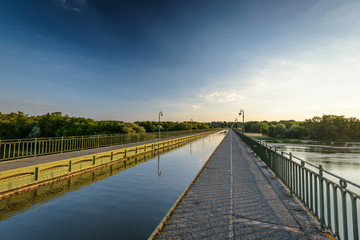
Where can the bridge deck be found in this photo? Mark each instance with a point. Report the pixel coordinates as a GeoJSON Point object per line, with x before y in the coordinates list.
{"type": "Point", "coordinates": [25, 162]}
{"type": "Point", "coordinates": [236, 197]}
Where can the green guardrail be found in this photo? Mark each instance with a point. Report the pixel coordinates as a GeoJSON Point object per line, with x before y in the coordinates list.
{"type": "Point", "coordinates": [22, 177]}
{"type": "Point", "coordinates": [332, 200]}
{"type": "Point", "coordinates": [33, 147]}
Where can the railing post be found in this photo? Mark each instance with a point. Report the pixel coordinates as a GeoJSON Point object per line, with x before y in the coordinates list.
{"type": "Point", "coordinates": [291, 175]}
{"type": "Point", "coordinates": [62, 144]}
{"type": "Point", "coordinates": [35, 147]}
{"type": "Point", "coordinates": [98, 140]}
{"type": "Point", "coordinates": [36, 174]}
{"type": "Point", "coordinates": [354, 217]}
{"type": "Point", "coordinates": [344, 213]}
{"type": "Point", "coordinates": [321, 191]}
{"type": "Point", "coordinates": [82, 142]}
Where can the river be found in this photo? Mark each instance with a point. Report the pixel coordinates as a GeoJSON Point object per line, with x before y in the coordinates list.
{"type": "Point", "coordinates": [342, 161]}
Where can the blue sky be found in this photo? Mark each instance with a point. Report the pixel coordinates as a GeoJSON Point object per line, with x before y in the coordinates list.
{"type": "Point", "coordinates": [128, 60]}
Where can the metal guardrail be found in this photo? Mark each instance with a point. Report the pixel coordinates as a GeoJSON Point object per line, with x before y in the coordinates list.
{"type": "Point", "coordinates": [332, 200]}
{"type": "Point", "coordinates": [26, 176]}
{"type": "Point", "coordinates": [33, 147]}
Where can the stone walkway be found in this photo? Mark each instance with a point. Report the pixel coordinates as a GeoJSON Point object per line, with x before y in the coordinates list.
{"type": "Point", "coordinates": [236, 197]}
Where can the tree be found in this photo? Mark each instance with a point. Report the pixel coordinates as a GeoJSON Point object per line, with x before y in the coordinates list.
{"type": "Point", "coordinates": [264, 128]}
{"type": "Point", "coordinates": [280, 130]}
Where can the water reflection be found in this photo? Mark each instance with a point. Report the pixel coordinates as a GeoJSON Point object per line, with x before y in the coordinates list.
{"type": "Point", "coordinates": [21, 202]}
{"type": "Point", "coordinates": [159, 172]}
{"type": "Point", "coordinates": [107, 203]}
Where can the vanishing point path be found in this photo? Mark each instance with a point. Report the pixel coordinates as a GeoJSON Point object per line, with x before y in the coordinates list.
{"type": "Point", "coordinates": [236, 197]}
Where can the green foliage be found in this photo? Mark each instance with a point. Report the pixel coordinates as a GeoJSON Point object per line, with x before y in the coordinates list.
{"type": "Point", "coordinates": [332, 127]}
{"type": "Point", "coordinates": [20, 125]}
{"type": "Point", "coordinates": [264, 128]}
{"type": "Point", "coordinates": [173, 126]}
{"type": "Point", "coordinates": [296, 131]}
{"type": "Point", "coordinates": [327, 127]}
{"type": "Point", "coordinates": [15, 125]}
{"type": "Point", "coordinates": [280, 130]}
{"type": "Point", "coordinates": [271, 130]}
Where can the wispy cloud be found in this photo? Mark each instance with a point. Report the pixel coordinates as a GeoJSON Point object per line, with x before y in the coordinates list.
{"type": "Point", "coordinates": [77, 6]}
{"type": "Point", "coordinates": [220, 97]}
{"type": "Point", "coordinates": [196, 106]}
{"type": "Point", "coordinates": [37, 102]}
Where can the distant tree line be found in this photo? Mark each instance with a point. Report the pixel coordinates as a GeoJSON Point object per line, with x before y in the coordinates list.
{"type": "Point", "coordinates": [327, 127]}
{"type": "Point", "coordinates": [151, 126]}
{"type": "Point", "coordinates": [20, 125]}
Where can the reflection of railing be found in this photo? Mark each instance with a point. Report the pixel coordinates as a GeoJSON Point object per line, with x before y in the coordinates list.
{"type": "Point", "coordinates": [32, 147]}
{"type": "Point", "coordinates": [23, 201]}
{"type": "Point", "coordinates": [335, 205]}
{"type": "Point", "coordinates": [22, 177]}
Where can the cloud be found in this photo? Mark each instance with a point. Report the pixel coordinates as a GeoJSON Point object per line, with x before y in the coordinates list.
{"type": "Point", "coordinates": [220, 97]}
{"type": "Point", "coordinates": [77, 6]}
{"type": "Point", "coordinates": [195, 106]}
{"type": "Point", "coordinates": [37, 102]}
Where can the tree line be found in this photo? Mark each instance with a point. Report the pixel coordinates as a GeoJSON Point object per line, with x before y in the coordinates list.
{"type": "Point", "coordinates": [327, 127]}
{"type": "Point", "coordinates": [20, 125]}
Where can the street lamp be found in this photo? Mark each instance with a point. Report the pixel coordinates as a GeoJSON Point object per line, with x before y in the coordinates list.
{"type": "Point", "coordinates": [236, 120]}
{"type": "Point", "coordinates": [191, 127]}
{"type": "Point", "coordinates": [243, 115]}
{"type": "Point", "coordinates": [160, 115]}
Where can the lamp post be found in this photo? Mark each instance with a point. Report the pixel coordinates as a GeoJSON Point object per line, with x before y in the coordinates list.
{"type": "Point", "coordinates": [236, 120]}
{"type": "Point", "coordinates": [160, 115]}
{"type": "Point", "coordinates": [243, 115]}
{"type": "Point", "coordinates": [191, 121]}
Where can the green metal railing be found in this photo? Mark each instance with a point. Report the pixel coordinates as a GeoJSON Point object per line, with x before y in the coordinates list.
{"type": "Point", "coordinates": [333, 200]}
{"type": "Point", "coordinates": [33, 147]}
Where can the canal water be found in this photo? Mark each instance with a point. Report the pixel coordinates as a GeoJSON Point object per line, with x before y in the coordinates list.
{"type": "Point", "coordinates": [122, 201]}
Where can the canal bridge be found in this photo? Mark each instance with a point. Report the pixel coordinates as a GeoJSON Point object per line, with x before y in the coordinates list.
{"type": "Point", "coordinates": [245, 190]}
{"type": "Point", "coordinates": [236, 197]}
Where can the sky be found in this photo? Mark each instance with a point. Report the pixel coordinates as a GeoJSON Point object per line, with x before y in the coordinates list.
{"type": "Point", "coordinates": [191, 59]}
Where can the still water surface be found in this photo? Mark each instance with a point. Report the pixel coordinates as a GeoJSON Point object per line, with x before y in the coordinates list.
{"type": "Point", "coordinates": [110, 203]}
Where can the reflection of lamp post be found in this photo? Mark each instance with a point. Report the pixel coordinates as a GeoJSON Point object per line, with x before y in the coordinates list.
{"type": "Point", "coordinates": [160, 115]}
{"type": "Point", "coordinates": [190, 148]}
{"type": "Point", "coordinates": [243, 115]}
{"type": "Point", "coordinates": [159, 172]}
